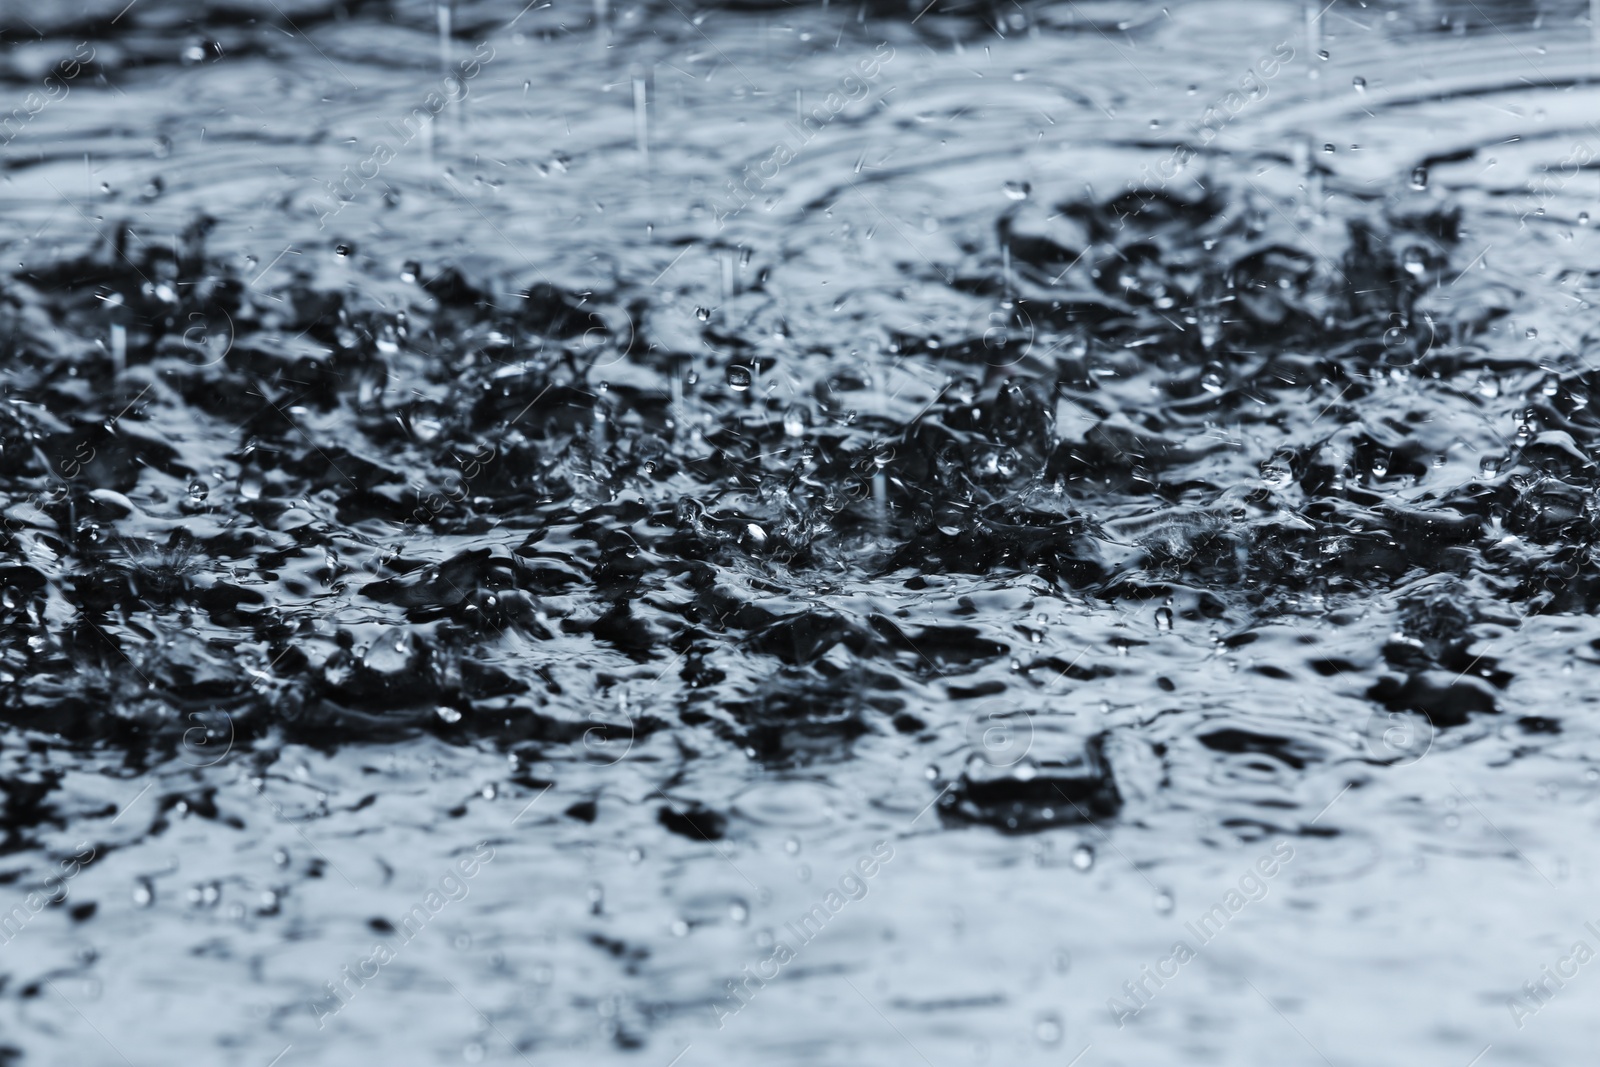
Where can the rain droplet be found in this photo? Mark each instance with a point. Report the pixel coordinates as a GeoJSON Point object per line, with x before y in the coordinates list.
{"type": "Point", "coordinates": [410, 271]}
{"type": "Point", "coordinates": [1083, 857]}
{"type": "Point", "coordinates": [1164, 902]}
{"type": "Point", "coordinates": [1359, 83]}
{"type": "Point", "coordinates": [144, 893]}
{"type": "Point", "coordinates": [1017, 190]}
{"type": "Point", "coordinates": [1164, 620]}
{"type": "Point", "coordinates": [342, 251]}
{"type": "Point", "coordinates": [703, 314]}
{"type": "Point", "coordinates": [739, 378]}
{"type": "Point", "coordinates": [1419, 178]}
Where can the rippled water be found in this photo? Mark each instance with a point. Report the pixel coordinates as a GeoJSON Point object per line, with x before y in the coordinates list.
{"type": "Point", "coordinates": [979, 534]}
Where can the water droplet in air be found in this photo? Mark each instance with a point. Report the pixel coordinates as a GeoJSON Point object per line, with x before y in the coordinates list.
{"type": "Point", "coordinates": [703, 314]}
{"type": "Point", "coordinates": [1359, 83]}
{"type": "Point", "coordinates": [342, 251]}
{"type": "Point", "coordinates": [1414, 262]}
{"type": "Point", "coordinates": [1047, 1030]}
{"type": "Point", "coordinates": [1164, 620]}
{"type": "Point", "coordinates": [1419, 177]}
{"type": "Point", "coordinates": [739, 378]}
{"type": "Point", "coordinates": [1083, 857]}
{"type": "Point", "coordinates": [1017, 190]}
{"type": "Point", "coordinates": [447, 713]}
{"type": "Point", "coordinates": [144, 894]}
{"type": "Point", "coordinates": [1532, 334]}
{"type": "Point", "coordinates": [1164, 902]}
{"type": "Point", "coordinates": [410, 271]}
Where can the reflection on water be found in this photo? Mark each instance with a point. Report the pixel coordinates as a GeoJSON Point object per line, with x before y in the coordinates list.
{"type": "Point", "coordinates": [877, 523]}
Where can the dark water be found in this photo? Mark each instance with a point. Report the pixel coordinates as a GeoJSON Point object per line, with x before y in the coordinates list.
{"type": "Point", "coordinates": [798, 534]}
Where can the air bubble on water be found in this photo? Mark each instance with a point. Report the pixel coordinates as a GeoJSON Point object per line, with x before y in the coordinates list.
{"type": "Point", "coordinates": [1017, 190]}
{"type": "Point", "coordinates": [1419, 178]}
{"type": "Point", "coordinates": [1083, 857]}
{"type": "Point", "coordinates": [1275, 475]}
